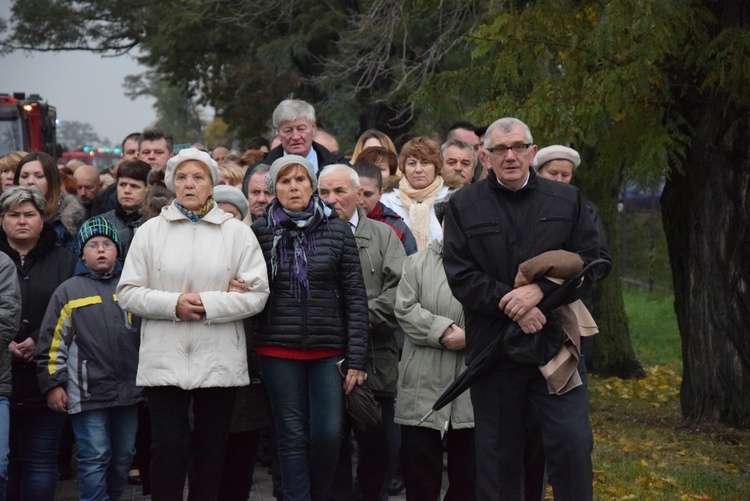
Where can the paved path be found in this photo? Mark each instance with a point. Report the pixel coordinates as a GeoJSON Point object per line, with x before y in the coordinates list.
{"type": "Point", "coordinates": [262, 489]}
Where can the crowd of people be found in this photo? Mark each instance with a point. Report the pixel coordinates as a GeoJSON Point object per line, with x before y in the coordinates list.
{"type": "Point", "coordinates": [210, 307]}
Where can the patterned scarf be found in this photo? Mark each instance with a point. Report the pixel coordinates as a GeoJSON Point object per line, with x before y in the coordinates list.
{"type": "Point", "coordinates": [297, 228]}
{"type": "Point", "coordinates": [419, 204]}
{"type": "Point", "coordinates": [196, 215]}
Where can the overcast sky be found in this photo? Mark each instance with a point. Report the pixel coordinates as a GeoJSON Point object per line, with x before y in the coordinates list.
{"type": "Point", "coordinates": [84, 87]}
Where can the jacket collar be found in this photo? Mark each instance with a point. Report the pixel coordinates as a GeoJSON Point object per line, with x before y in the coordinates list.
{"type": "Point", "coordinates": [47, 242]}
{"type": "Point", "coordinates": [83, 270]}
{"type": "Point", "coordinates": [363, 235]}
{"type": "Point", "coordinates": [495, 184]}
{"type": "Point", "coordinates": [214, 216]}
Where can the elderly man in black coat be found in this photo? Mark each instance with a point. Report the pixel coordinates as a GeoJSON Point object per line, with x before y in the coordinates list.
{"type": "Point", "coordinates": [490, 228]}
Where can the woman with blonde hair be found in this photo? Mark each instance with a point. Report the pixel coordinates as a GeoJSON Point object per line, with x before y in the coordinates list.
{"type": "Point", "coordinates": [8, 166]}
{"type": "Point", "coordinates": [231, 174]}
{"type": "Point", "coordinates": [370, 138]}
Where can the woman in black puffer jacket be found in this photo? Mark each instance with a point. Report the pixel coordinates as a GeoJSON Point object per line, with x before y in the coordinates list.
{"type": "Point", "coordinates": [315, 316]}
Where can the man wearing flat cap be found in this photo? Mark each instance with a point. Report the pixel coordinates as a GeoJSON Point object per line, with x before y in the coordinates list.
{"type": "Point", "coordinates": [491, 227]}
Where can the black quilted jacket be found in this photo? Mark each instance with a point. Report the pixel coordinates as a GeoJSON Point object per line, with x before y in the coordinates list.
{"type": "Point", "coordinates": [335, 315]}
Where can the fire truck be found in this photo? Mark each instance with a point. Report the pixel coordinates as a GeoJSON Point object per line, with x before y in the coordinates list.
{"type": "Point", "coordinates": [101, 158]}
{"type": "Point", "coordinates": [27, 124]}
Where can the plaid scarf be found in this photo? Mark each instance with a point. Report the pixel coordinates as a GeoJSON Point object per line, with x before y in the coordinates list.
{"type": "Point", "coordinates": [296, 230]}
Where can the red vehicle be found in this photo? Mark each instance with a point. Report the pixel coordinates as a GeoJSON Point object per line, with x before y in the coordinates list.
{"type": "Point", "coordinates": [27, 124]}
{"type": "Point", "coordinates": [101, 158]}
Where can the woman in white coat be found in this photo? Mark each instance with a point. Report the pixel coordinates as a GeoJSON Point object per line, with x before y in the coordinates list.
{"type": "Point", "coordinates": [176, 278]}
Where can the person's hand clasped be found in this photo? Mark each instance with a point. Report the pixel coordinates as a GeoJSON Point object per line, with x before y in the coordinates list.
{"type": "Point", "coordinates": [519, 301]}
{"type": "Point", "coordinates": [533, 321]}
{"type": "Point", "coordinates": [23, 351]}
{"type": "Point", "coordinates": [190, 307]}
{"type": "Point", "coordinates": [454, 338]}
{"type": "Point", "coordinates": [57, 399]}
{"type": "Point", "coordinates": [353, 377]}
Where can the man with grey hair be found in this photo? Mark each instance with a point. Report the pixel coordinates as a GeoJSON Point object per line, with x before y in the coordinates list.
{"type": "Point", "coordinates": [382, 256]}
{"type": "Point", "coordinates": [255, 189]}
{"type": "Point", "coordinates": [294, 121]}
{"type": "Point", "coordinates": [491, 227]}
{"type": "Point", "coordinates": [458, 159]}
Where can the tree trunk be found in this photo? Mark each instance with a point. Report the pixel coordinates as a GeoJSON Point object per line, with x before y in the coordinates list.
{"type": "Point", "coordinates": [706, 211]}
{"type": "Point", "coordinates": [613, 353]}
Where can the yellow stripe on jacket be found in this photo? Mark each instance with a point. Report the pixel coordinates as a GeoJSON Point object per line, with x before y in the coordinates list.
{"type": "Point", "coordinates": [66, 314]}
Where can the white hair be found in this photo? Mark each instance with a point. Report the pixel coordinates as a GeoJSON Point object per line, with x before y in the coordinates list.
{"type": "Point", "coordinates": [507, 124]}
{"type": "Point", "coordinates": [334, 168]}
{"type": "Point", "coordinates": [292, 109]}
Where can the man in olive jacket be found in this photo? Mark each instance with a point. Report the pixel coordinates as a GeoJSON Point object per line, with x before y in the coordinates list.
{"type": "Point", "coordinates": [382, 256]}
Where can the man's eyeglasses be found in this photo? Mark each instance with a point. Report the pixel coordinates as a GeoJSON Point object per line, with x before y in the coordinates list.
{"type": "Point", "coordinates": [501, 150]}
{"type": "Point", "coordinates": [95, 246]}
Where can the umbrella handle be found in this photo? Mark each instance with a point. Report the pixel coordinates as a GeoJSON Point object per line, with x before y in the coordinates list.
{"type": "Point", "coordinates": [427, 416]}
{"type": "Point", "coordinates": [339, 365]}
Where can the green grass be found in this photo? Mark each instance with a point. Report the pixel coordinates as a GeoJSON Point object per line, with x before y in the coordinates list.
{"type": "Point", "coordinates": [643, 249]}
{"type": "Point", "coordinates": [643, 450]}
{"type": "Point", "coordinates": [653, 327]}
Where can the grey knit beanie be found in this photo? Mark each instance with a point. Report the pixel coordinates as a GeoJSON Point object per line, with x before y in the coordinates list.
{"type": "Point", "coordinates": [283, 162]}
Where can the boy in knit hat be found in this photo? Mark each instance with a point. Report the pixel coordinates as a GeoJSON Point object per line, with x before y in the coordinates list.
{"type": "Point", "coordinates": [87, 355]}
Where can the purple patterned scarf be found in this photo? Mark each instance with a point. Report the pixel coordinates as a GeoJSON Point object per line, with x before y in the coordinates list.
{"type": "Point", "coordinates": [299, 229]}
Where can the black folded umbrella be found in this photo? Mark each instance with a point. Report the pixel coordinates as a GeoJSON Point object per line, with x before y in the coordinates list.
{"type": "Point", "coordinates": [512, 342]}
{"type": "Point", "coordinates": [361, 404]}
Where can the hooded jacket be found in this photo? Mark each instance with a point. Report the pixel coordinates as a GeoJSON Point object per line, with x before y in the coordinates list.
{"type": "Point", "coordinates": [10, 318]}
{"type": "Point", "coordinates": [335, 314]}
{"type": "Point", "coordinates": [126, 225]}
{"type": "Point", "coordinates": [382, 257]}
{"type": "Point", "coordinates": [425, 307]}
{"type": "Point", "coordinates": [88, 345]}
{"type": "Point", "coordinates": [171, 255]}
{"type": "Point", "coordinates": [46, 266]}
{"type": "Point", "coordinates": [67, 219]}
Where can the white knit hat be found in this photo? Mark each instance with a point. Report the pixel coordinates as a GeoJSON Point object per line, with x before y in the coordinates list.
{"type": "Point", "coordinates": [556, 152]}
{"type": "Point", "coordinates": [184, 156]}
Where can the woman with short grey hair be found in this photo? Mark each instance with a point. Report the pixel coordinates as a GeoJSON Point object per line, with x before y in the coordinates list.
{"type": "Point", "coordinates": [41, 265]}
{"type": "Point", "coordinates": [16, 195]}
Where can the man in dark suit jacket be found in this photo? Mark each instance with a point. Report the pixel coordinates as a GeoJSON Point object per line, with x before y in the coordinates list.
{"type": "Point", "coordinates": [294, 121]}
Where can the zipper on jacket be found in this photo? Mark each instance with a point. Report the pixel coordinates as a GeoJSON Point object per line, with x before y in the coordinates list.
{"type": "Point", "coordinates": [372, 349]}
{"type": "Point", "coordinates": [85, 380]}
